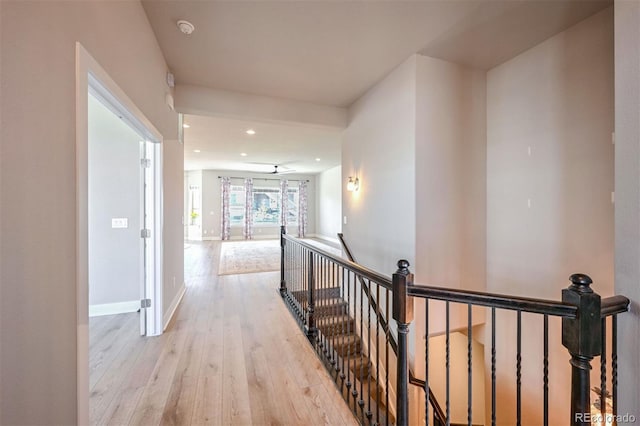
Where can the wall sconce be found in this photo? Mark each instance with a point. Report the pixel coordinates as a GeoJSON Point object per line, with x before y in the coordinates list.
{"type": "Point", "coordinates": [353, 184]}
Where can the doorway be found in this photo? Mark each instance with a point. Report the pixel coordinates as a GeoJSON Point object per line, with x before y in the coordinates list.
{"type": "Point", "coordinates": [139, 219]}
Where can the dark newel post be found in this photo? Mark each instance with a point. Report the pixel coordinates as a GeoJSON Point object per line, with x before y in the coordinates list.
{"type": "Point", "coordinates": [582, 337]}
{"type": "Point", "coordinates": [283, 283]}
{"type": "Point", "coordinates": [403, 314]}
{"type": "Point", "coordinates": [311, 320]}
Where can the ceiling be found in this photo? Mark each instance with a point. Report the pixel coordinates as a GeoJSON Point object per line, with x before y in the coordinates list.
{"type": "Point", "coordinates": [329, 53]}
{"type": "Point", "coordinates": [222, 140]}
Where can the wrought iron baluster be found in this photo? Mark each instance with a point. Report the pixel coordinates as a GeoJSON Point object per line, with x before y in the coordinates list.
{"type": "Point", "coordinates": [446, 363]}
{"type": "Point", "coordinates": [614, 364]}
{"type": "Point", "coordinates": [378, 357]}
{"type": "Point", "coordinates": [349, 336]}
{"type": "Point", "coordinates": [368, 375]}
{"type": "Point", "coordinates": [469, 367]}
{"type": "Point", "coordinates": [361, 400]}
{"type": "Point", "coordinates": [426, 362]}
{"type": "Point", "coordinates": [546, 371]}
{"type": "Point", "coordinates": [493, 366]}
{"type": "Point", "coordinates": [603, 369]}
{"type": "Point", "coordinates": [354, 391]}
{"type": "Point", "coordinates": [519, 370]}
{"type": "Point", "coordinates": [386, 357]}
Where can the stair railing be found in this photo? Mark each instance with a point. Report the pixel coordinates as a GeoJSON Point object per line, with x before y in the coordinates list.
{"type": "Point", "coordinates": [438, 414]}
{"type": "Point", "coordinates": [326, 294]}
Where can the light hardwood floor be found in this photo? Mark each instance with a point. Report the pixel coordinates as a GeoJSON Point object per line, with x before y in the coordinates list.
{"type": "Point", "coordinates": [232, 355]}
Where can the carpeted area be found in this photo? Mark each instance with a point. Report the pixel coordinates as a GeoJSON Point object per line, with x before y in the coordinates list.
{"type": "Point", "coordinates": [246, 257]}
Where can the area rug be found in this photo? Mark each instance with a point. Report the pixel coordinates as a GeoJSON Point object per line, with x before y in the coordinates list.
{"type": "Point", "coordinates": [247, 257]}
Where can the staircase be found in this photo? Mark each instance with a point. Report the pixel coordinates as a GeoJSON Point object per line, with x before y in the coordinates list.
{"type": "Point", "coordinates": [344, 353]}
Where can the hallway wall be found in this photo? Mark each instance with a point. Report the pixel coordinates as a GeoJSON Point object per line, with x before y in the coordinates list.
{"type": "Point", "coordinates": [38, 193]}
{"type": "Point", "coordinates": [549, 184]}
{"type": "Point", "coordinates": [329, 186]}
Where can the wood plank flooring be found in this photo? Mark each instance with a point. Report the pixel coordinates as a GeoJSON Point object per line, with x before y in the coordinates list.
{"type": "Point", "coordinates": [233, 355]}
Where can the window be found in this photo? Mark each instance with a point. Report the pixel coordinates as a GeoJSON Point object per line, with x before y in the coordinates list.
{"type": "Point", "coordinates": [266, 206]}
{"type": "Point", "coordinates": [236, 205]}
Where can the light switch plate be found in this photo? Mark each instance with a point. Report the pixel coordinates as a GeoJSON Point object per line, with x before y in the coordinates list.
{"type": "Point", "coordinates": [119, 222]}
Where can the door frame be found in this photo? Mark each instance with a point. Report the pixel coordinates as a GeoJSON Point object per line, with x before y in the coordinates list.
{"type": "Point", "coordinates": [91, 76]}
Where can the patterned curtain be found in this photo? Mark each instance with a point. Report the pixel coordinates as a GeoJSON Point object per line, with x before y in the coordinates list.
{"type": "Point", "coordinates": [225, 228]}
{"type": "Point", "coordinates": [247, 232]}
{"type": "Point", "coordinates": [302, 209]}
{"type": "Point", "coordinates": [284, 197]}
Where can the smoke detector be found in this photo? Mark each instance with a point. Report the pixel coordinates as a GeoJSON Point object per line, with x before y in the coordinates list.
{"type": "Point", "coordinates": [185, 26]}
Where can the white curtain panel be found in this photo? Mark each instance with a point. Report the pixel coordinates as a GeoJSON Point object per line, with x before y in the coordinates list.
{"type": "Point", "coordinates": [247, 232]}
{"type": "Point", "coordinates": [302, 209]}
{"type": "Point", "coordinates": [284, 202]}
{"type": "Point", "coordinates": [225, 225]}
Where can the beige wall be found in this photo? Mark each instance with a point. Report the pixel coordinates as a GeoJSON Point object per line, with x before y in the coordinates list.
{"type": "Point", "coordinates": [555, 100]}
{"type": "Point", "coordinates": [627, 223]}
{"type": "Point", "coordinates": [38, 282]}
{"type": "Point", "coordinates": [329, 186]}
{"type": "Point", "coordinates": [379, 148]}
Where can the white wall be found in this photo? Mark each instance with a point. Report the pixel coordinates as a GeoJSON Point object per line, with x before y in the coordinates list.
{"type": "Point", "coordinates": [211, 199]}
{"type": "Point", "coordinates": [627, 217]}
{"type": "Point", "coordinates": [38, 282]}
{"type": "Point", "coordinates": [379, 148]}
{"type": "Point", "coordinates": [557, 100]}
{"type": "Point", "coordinates": [115, 259]}
{"type": "Point", "coordinates": [329, 203]}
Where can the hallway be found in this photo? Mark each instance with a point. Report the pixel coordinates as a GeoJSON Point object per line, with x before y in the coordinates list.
{"type": "Point", "coordinates": [232, 355]}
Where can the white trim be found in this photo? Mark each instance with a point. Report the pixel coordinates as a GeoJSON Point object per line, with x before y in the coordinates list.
{"type": "Point", "coordinates": [114, 308]}
{"type": "Point", "coordinates": [89, 72]}
{"type": "Point", "coordinates": [324, 237]}
{"type": "Point", "coordinates": [210, 239]}
{"type": "Point", "coordinates": [174, 305]}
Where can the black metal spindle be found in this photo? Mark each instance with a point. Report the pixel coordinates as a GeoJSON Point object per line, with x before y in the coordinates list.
{"type": "Point", "coordinates": [378, 358]}
{"type": "Point", "coordinates": [614, 364]}
{"type": "Point", "coordinates": [426, 362]}
{"type": "Point", "coordinates": [519, 370]}
{"type": "Point", "coordinates": [386, 357]}
{"type": "Point", "coordinates": [447, 365]}
{"type": "Point", "coordinates": [368, 375]}
{"type": "Point", "coordinates": [354, 391]}
{"type": "Point", "coordinates": [545, 371]}
{"type": "Point", "coordinates": [469, 367]}
{"type": "Point", "coordinates": [349, 336]}
{"type": "Point", "coordinates": [311, 320]}
{"type": "Point", "coordinates": [361, 401]}
{"type": "Point", "coordinates": [603, 369]}
{"type": "Point", "coordinates": [493, 366]}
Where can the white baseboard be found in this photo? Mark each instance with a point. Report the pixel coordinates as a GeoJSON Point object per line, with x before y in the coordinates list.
{"type": "Point", "coordinates": [114, 308]}
{"type": "Point", "coordinates": [210, 239]}
{"type": "Point", "coordinates": [173, 306]}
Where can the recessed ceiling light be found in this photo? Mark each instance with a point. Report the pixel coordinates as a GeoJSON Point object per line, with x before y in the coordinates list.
{"type": "Point", "coordinates": [196, 150]}
{"type": "Point", "coordinates": [251, 132]}
{"type": "Point", "coordinates": [186, 126]}
{"type": "Point", "coordinates": [244, 154]}
{"type": "Point", "coordinates": [317, 159]}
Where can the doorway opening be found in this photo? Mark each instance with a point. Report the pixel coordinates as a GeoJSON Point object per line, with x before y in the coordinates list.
{"type": "Point", "coordinates": [119, 210]}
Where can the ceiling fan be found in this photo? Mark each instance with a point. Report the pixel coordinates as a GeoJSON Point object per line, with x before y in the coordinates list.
{"type": "Point", "coordinates": [281, 171]}
{"type": "Point", "coordinates": [278, 169]}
